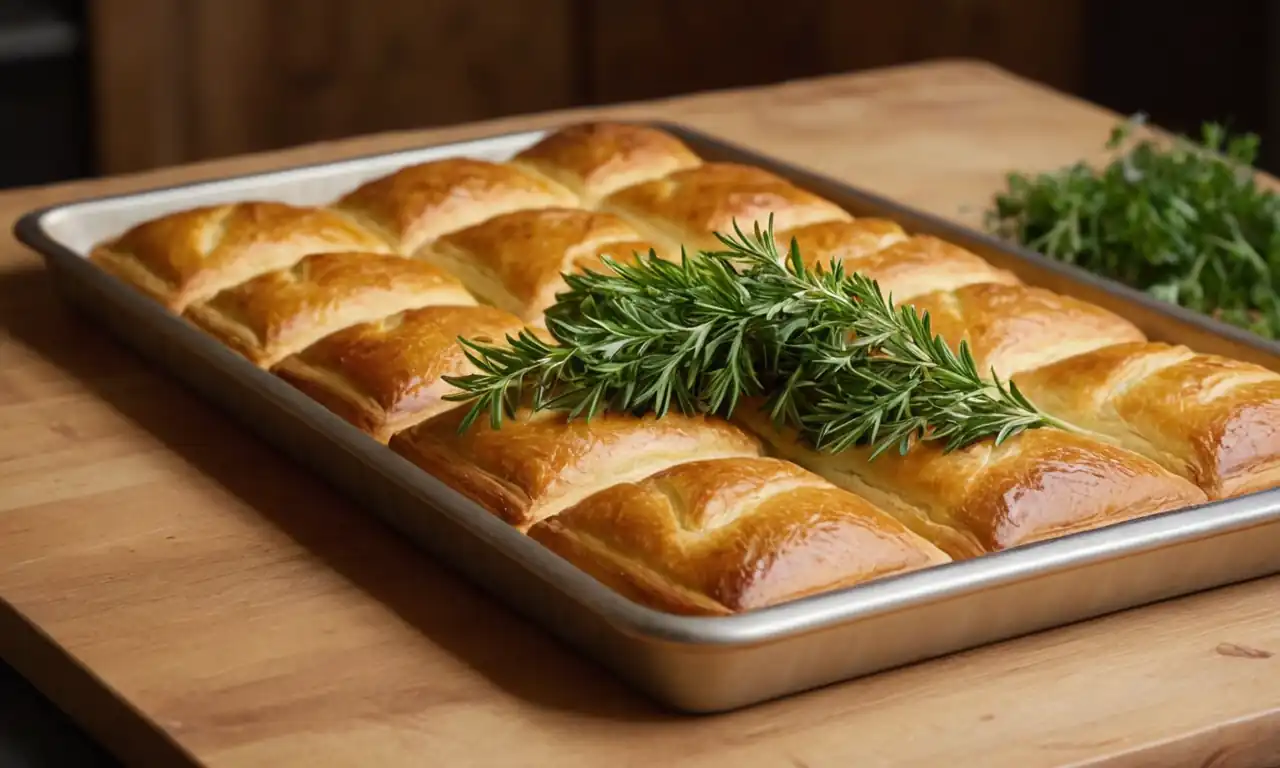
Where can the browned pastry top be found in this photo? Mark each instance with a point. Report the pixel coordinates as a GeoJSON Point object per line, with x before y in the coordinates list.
{"type": "Point", "coordinates": [384, 376]}
{"type": "Point", "coordinates": [279, 313]}
{"type": "Point", "coordinates": [688, 206]}
{"type": "Point", "coordinates": [1208, 418]}
{"type": "Point", "coordinates": [924, 264]}
{"type": "Point", "coordinates": [596, 159]}
{"type": "Point", "coordinates": [191, 255]}
{"type": "Point", "coordinates": [1014, 328]}
{"type": "Point", "coordinates": [728, 535]}
{"type": "Point", "coordinates": [841, 240]}
{"type": "Point", "coordinates": [422, 202]}
{"type": "Point", "coordinates": [536, 465]}
{"type": "Point", "coordinates": [516, 261]}
{"type": "Point", "coordinates": [984, 498]}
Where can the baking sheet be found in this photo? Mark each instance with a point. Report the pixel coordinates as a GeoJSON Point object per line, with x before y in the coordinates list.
{"type": "Point", "coordinates": [696, 664]}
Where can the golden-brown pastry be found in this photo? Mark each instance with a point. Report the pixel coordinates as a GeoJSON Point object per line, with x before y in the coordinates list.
{"type": "Point", "coordinates": [908, 268]}
{"type": "Point", "coordinates": [688, 207]}
{"type": "Point", "coordinates": [536, 465]}
{"type": "Point", "coordinates": [1013, 328]}
{"type": "Point", "coordinates": [385, 376]}
{"type": "Point", "coordinates": [276, 314]}
{"type": "Point", "coordinates": [184, 257]}
{"type": "Point", "coordinates": [417, 204]}
{"type": "Point", "coordinates": [596, 159]}
{"type": "Point", "coordinates": [729, 535]}
{"type": "Point", "coordinates": [841, 240]}
{"type": "Point", "coordinates": [1212, 420]}
{"type": "Point", "coordinates": [1037, 485]}
{"type": "Point", "coordinates": [516, 261]}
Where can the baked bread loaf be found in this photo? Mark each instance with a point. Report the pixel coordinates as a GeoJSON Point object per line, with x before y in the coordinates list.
{"type": "Point", "coordinates": [536, 465]}
{"type": "Point", "coordinates": [1038, 485]}
{"type": "Point", "coordinates": [184, 257]}
{"type": "Point", "coordinates": [282, 312]}
{"type": "Point", "coordinates": [516, 261]}
{"type": "Point", "coordinates": [722, 536]}
{"type": "Point", "coordinates": [1212, 420]}
{"type": "Point", "coordinates": [415, 205]}
{"type": "Point", "coordinates": [687, 207]}
{"type": "Point", "coordinates": [596, 159]}
{"type": "Point", "coordinates": [385, 376]}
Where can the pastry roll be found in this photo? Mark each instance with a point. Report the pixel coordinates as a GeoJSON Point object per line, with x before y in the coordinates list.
{"type": "Point", "coordinates": [516, 261]}
{"type": "Point", "coordinates": [596, 159]}
{"type": "Point", "coordinates": [841, 240]}
{"type": "Point", "coordinates": [191, 255]}
{"type": "Point", "coordinates": [904, 268]}
{"type": "Point", "coordinates": [688, 207]}
{"type": "Point", "coordinates": [415, 205]}
{"type": "Point", "coordinates": [385, 376]}
{"type": "Point", "coordinates": [276, 314]}
{"type": "Point", "coordinates": [538, 464]}
{"type": "Point", "coordinates": [1013, 328]}
{"type": "Point", "coordinates": [723, 536]}
{"type": "Point", "coordinates": [1212, 420]}
{"type": "Point", "coordinates": [1040, 484]}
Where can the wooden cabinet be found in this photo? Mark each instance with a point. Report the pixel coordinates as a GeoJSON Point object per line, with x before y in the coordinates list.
{"type": "Point", "coordinates": [181, 80]}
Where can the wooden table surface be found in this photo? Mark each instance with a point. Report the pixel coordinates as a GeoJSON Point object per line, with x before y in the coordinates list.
{"type": "Point", "coordinates": [189, 595]}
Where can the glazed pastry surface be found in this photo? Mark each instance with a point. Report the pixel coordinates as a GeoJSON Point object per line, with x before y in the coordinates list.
{"type": "Point", "coordinates": [596, 159]}
{"type": "Point", "coordinates": [386, 375]}
{"type": "Point", "coordinates": [415, 205]}
{"type": "Point", "coordinates": [536, 465]}
{"type": "Point", "coordinates": [984, 498]}
{"type": "Point", "coordinates": [726, 535]}
{"type": "Point", "coordinates": [282, 312]}
{"type": "Point", "coordinates": [188, 256]}
{"type": "Point", "coordinates": [1212, 420]}
{"type": "Point", "coordinates": [516, 261]}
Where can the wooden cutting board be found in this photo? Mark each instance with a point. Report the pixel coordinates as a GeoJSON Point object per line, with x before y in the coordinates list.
{"type": "Point", "coordinates": [189, 595]}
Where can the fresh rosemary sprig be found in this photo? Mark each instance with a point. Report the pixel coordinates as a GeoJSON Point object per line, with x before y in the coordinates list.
{"type": "Point", "coordinates": [1184, 221]}
{"type": "Point", "coordinates": [827, 350]}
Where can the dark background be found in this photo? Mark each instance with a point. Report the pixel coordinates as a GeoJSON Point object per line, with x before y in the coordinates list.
{"type": "Point", "coordinates": [105, 86]}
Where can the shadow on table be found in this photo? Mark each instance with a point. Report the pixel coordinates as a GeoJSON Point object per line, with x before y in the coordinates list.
{"type": "Point", "coordinates": [35, 734]}
{"type": "Point", "coordinates": [510, 651]}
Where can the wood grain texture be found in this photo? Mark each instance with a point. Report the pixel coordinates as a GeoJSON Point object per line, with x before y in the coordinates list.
{"type": "Point", "coordinates": [1042, 40]}
{"type": "Point", "coordinates": [189, 594]}
{"type": "Point", "coordinates": [182, 80]}
{"type": "Point", "coordinates": [138, 65]}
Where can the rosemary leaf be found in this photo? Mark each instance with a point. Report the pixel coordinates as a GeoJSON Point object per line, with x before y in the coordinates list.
{"type": "Point", "coordinates": [830, 354]}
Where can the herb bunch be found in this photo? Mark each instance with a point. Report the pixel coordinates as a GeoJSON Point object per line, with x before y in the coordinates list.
{"type": "Point", "coordinates": [829, 353]}
{"type": "Point", "coordinates": [1184, 221]}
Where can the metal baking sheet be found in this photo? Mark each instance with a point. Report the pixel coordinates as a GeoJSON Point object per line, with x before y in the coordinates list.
{"type": "Point", "coordinates": [694, 664]}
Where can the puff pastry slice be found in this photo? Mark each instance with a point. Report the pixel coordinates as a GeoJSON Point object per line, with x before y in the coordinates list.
{"type": "Point", "coordinates": [385, 376]}
{"type": "Point", "coordinates": [539, 464]}
{"type": "Point", "coordinates": [185, 257]}
{"type": "Point", "coordinates": [279, 313]}
{"type": "Point", "coordinates": [1037, 485]}
{"type": "Point", "coordinates": [905, 266]}
{"type": "Point", "coordinates": [596, 159]}
{"type": "Point", "coordinates": [687, 207]}
{"type": "Point", "coordinates": [516, 261]}
{"type": "Point", "coordinates": [731, 535]}
{"type": "Point", "coordinates": [1213, 420]}
{"type": "Point", "coordinates": [419, 203]}
{"type": "Point", "coordinates": [1012, 328]}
